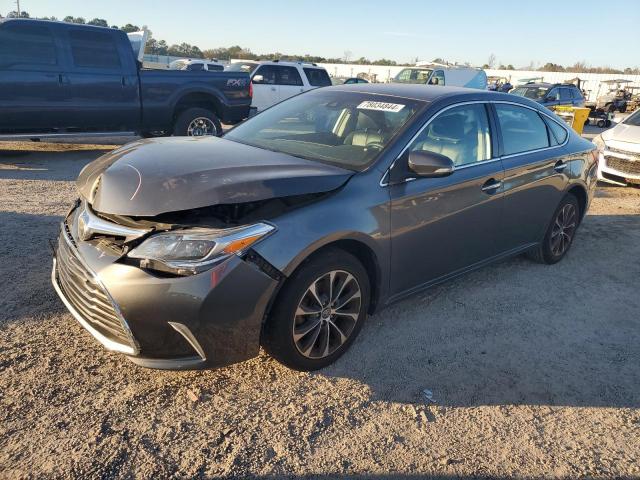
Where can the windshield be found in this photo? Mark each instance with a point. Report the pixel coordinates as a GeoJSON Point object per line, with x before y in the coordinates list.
{"type": "Point", "coordinates": [413, 75]}
{"type": "Point", "coordinates": [535, 93]}
{"type": "Point", "coordinates": [633, 119]}
{"type": "Point", "coordinates": [241, 67]}
{"type": "Point", "coordinates": [347, 129]}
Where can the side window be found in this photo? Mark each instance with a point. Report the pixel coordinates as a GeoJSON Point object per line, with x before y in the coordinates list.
{"type": "Point", "coordinates": [461, 133]}
{"type": "Point", "coordinates": [554, 94]}
{"type": "Point", "coordinates": [94, 49]}
{"type": "Point", "coordinates": [565, 94]}
{"type": "Point", "coordinates": [213, 67]}
{"type": "Point", "coordinates": [268, 73]}
{"type": "Point", "coordinates": [577, 94]}
{"type": "Point", "coordinates": [195, 67]}
{"type": "Point", "coordinates": [26, 44]}
{"type": "Point", "coordinates": [558, 133]}
{"type": "Point", "coordinates": [437, 78]}
{"type": "Point", "coordinates": [318, 77]}
{"type": "Point", "coordinates": [522, 129]}
{"type": "Point", "coordinates": [288, 76]}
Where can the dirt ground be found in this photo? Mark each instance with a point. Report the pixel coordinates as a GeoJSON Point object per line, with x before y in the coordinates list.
{"type": "Point", "coordinates": [534, 371]}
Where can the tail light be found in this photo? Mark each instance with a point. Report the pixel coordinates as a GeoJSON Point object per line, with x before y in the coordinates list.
{"type": "Point", "coordinates": [250, 89]}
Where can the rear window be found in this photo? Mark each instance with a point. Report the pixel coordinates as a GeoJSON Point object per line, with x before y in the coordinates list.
{"type": "Point", "coordinates": [215, 67]}
{"type": "Point", "coordinates": [94, 49]}
{"type": "Point", "coordinates": [26, 44]}
{"type": "Point", "coordinates": [535, 93]}
{"type": "Point", "coordinates": [412, 75]}
{"type": "Point", "coordinates": [317, 77]}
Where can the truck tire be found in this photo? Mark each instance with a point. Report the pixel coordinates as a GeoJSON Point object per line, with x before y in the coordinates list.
{"type": "Point", "coordinates": [197, 122]}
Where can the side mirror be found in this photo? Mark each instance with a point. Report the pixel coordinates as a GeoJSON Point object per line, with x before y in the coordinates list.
{"type": "Point", "coordinates": [257, 79]}
{"type": "Point", "coordinates": [430, 164]}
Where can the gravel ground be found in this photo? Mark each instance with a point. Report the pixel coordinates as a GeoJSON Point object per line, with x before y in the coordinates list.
{"type": "Point", "coordinates": [534, 371]}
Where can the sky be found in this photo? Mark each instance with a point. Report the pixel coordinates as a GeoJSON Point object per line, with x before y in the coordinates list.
{"type": "Point", "coordinates": [563, 32]}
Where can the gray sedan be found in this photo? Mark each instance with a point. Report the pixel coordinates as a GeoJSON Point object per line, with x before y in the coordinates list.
{"type": "Point", "coordinates": [297, 224]}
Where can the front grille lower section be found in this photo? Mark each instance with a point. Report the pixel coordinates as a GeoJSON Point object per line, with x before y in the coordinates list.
{"type": "Point", "coordinates": [86, 295]}
{"type": "Point", "coordinates": [630, 167]}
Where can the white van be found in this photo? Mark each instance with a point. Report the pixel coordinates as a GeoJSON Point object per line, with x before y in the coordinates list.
{"type": "Point", "coordinates": [437, 74]}
{"type": "Point", "coordinates": [275, 81]}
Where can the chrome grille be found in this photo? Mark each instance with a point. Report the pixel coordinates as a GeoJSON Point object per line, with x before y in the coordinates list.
{"type": "Point", "coordinates": [624, 166]}
{"type": "Point", "coordinates": [85, 294]}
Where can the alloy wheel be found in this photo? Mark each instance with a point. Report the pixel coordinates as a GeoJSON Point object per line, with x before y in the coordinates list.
{"type": "Point", "coordinates": [200, 127]}
{"type": "Point", "coordinates": [563, 229]}
{"type": "Point", "coordinates": [327, 314]}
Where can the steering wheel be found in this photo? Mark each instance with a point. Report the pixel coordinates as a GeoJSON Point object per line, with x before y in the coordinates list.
{"type": "Point", "coordinates": [375, 145]}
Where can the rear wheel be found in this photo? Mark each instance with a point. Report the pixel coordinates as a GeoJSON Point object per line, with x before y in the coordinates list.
{"type": "Point", "coordinates": [560, 233]}
{"type": "Point", "coordinates": [319, 312]}
{"type": "Point", "coordinates": [197, 122]}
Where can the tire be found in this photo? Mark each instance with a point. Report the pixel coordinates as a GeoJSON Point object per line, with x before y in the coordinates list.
{"type": "Point", "coordinates": [185, 121]}
{"type": "Point", "coordinates": [623, 109]}
{"type": "Point", "coordinates": [601, 123]}
{"type": "Point", "coordinates": [296, 295]}
{"type": "Point", "coordinates": [546, 252]}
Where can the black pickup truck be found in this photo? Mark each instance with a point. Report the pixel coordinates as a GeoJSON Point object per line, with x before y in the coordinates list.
{"type": "Point", "coordinates": [60, 78]}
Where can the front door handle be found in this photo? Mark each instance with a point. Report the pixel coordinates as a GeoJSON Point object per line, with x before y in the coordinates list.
{"type": "Point", "coordinates": [491, 186]}
{"type": "Point", "coordinates": [560, 166]}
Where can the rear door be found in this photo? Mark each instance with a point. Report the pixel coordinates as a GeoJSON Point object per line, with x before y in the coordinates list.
{"type": "Point", "coordinates": [534, 182]}
{"type": "Point", "coordinates": [266, 92]}
{"type": "Point", "coordinates": [30, 66]}
{"type": "Point", "coordinates": [289, 82]}
{"type": "Point", "coordinates": [101, 81]}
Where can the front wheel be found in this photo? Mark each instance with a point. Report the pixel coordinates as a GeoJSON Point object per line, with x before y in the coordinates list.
{"type": "Point", "coordinates": [560, 233]}
{"type": "Point", "coordinates": [197, 122]}
{"type": "Point", "coordinates": [319, 311]}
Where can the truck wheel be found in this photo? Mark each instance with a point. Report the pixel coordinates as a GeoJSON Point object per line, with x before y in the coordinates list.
{"type": "Point", "coordinates": [197, 122]}
{"type": "Point", "coordinates": [600, 123]}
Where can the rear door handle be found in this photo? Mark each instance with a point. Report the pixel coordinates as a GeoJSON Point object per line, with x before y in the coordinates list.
{"type": "Point", "coordinates": [560, 166]}
{"type": "Point", "coordinates": [491, 186]}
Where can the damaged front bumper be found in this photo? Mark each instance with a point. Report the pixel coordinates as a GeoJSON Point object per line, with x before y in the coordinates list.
{"type": "Point", "coordinates": [210, 319]}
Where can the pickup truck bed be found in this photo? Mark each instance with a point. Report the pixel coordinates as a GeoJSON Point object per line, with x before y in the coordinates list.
{"type": "Point", "coordinates": [60, 78]}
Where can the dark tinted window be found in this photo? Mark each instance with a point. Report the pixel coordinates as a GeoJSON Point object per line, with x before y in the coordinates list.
{"type": "Point", "coordinates": [461, 133]}
{"type": "Point", "coordinates": [215, 67]}
{"type": "Point", "coordinates": [93, 49]}
{"type": "Point", "coordinates": [522, 129]}
{"type": "Point", "coordinates": [195, 67]}
{"type": "Point", "coordinates": [268, 73]}
{"type": "Point", "coordinates": [317, 77]}
{"type": "Point", "coordinates": [26, 44]}
{"type": "Point", "coordinates": [288, 76]}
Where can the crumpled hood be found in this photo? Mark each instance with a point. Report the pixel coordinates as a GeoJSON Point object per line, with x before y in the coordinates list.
{"type": "Point", "coordinates": [150, 177]}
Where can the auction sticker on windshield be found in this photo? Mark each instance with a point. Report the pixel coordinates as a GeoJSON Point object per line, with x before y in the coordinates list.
{"type": "Point", "coordinates": [381, 106]}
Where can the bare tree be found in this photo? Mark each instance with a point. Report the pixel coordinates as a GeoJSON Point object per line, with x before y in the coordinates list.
{"type": "Point", "coordinates": [347, 55]}
{"type": "Point", "coordinates": [492, 61]}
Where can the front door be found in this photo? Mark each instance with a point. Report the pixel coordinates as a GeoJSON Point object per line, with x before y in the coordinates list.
{"type": "Point", "coordinates": [442, 226]}
{"type": "Point", "coordinates": [30, 71]}
{"type": "Point", "coordinates": [266, 91]}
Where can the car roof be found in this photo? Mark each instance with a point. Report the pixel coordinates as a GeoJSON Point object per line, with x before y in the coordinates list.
{"type": "Point", "coordinates": [289, 64]}
{"type": "Point", "coordinates": [547, 85]}
{"type": "Point", "coordinates": [427, 93]}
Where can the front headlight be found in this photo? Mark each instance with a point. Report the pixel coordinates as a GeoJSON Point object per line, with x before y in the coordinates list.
{"type": "Point", "coordinates": [599, 141]}
{"type": "Point", "coordinates": [191, 251]}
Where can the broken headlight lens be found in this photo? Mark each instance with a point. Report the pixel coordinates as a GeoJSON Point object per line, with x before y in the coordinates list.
{"type": "Point", "coordinates": [191, 251]}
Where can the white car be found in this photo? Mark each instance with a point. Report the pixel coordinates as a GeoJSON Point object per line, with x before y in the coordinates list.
{"type": "Point", "coordinates": [620, 152]}
{"type": "Point", "coordinates": [275, 81]}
